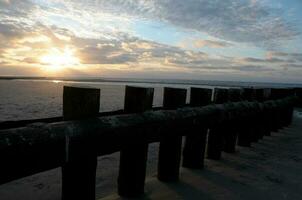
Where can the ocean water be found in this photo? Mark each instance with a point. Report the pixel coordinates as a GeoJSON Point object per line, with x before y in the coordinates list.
{"type": "Point", "coordinates": [42, 98]}
{"type": "Point", "coordinates": [32, 99]}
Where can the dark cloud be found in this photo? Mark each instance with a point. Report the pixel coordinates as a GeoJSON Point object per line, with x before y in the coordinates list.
{"type": "Point", "coordinates": [10, 31]}
{"type": "Point", "coordinates": [20, 9]}
{"type": "Point", "coordinates": [294, 57]}
{"type": "Point", "coordinates": [253, 68]}
{"type": "Point", "coordinates": [17, 70]}
{"type": "Point", "coordinates": [297, 66]}
{"type": "Point", "coordinates": [269, 60]}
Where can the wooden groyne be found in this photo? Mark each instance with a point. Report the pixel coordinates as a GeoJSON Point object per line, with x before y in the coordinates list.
{"type": "Point", "coordinates": [73, 142]}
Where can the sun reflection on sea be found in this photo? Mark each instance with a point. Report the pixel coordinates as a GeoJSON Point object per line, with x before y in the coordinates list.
{"type": "Point", "coordinates": [56, 81]}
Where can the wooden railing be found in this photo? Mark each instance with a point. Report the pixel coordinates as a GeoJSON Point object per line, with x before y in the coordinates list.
{"type": "Point", "coordinates": [73, 142]}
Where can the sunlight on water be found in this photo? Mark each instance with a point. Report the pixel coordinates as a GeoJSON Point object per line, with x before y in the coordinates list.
{"type": "Point", "coordinates": [56, 81]}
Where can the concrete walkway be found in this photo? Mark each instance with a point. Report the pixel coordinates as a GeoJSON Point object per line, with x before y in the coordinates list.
{"type": "Point", "coordinates": [271, 169]}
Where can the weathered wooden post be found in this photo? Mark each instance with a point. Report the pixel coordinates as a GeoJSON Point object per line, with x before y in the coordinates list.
{"type": "Point", "coordinates": [78, 173]}
{"type": "Point", "coordinates": [170, 143]}
{"type": "Point", "coordinates": [231, 130]}
{"type": "Point", "coordinates": [276, 123]}
{"type": "Point", "coordinates": [250, 95]}
{"type": "Point", "coordinates": [266, 94]}
{"type": "Point", "coordinates": [246, 130]}
{"type": "Point", "coordinates": [298, 93]}
{"type": "Point", "coordinates": [216, 134]}
{"type": "Point", "coordinates": [267, 112]}
{"type": "Point", "coordinates": [290, 110]}
{"type": "Point", "coordinates": [133, 159]}
{"type": "Point", "coordinates": [287, 108]}
{"type": "Point", "coordinates": [195, 143]}
{"type": "Point", "coordinates": [260, 118]}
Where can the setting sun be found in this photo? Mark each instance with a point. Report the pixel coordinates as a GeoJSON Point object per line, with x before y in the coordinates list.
{"type": "Point", "coordinates": [58, 59]}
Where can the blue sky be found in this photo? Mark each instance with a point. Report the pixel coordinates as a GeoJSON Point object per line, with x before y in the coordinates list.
{"type": "Point", "coordinates": [248, 40]}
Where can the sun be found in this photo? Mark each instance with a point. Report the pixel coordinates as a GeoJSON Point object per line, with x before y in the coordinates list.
{"type": "Point", "coordinates": [57, 59]}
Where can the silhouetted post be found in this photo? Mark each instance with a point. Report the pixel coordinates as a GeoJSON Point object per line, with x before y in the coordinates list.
{"type": "Point", "coordinates": [78, 173]}
{"type": "Point", "coordinates": [231, 128]}
{"type": "Point", "coordinates": [267, 113]}
{"type": "Point", "coordinates": [250, 95]}
{"type": "Point", "coordinates": [260, 118]}
{"type": "Point", "coordinates": [266, 94]}
{"type": "Point", "coordinates": [133, 159]}
{"type": "Point", "coordinates": [245, 126]}
{"type": "Point", "coordinates": [277, 122]}
{"type": "Point", "coordinates": [170, 143]}
{"type": "Point", "coordinates": [215, 138]}
{"type": "Point", "coordinates": [290, 111]}
{"type": "Point", "coordinates": [286, 108]}
{"type": "Point", "coordinates": [195, 143]}
{"type": "Point", "coordinates": [298, 93]}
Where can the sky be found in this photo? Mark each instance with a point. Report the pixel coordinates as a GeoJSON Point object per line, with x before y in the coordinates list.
{"type": "Point", "coordinates": [239, 40]}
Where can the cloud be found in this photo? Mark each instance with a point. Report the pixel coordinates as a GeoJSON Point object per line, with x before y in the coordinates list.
{"type": "Point", "coordinates": [5, 2]}
{"type": "Point", "coordinates": [27, 45]}
{"type": "Point", "coordinates": [211, 44]}
{"type": "Point", "coordinates": [298, 66]}
{"type": "Point", "coordinates": [269, 60]}
{"type": "Point", "coordinates": [11, 31]}
{"type": "Point", "coordinates": [233, 20]}
{"type": "Point", "coordinates": [16, 8]}
{"type": "Point", "coordinates": [296, 57]}
{"type": "Point", "coordinates": [254, 68]}
{"type": "Point", "coordinates": [24, 38]}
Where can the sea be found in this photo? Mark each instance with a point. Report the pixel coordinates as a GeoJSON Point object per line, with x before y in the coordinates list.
{"type": "Point", "coordinates": [34, 98]}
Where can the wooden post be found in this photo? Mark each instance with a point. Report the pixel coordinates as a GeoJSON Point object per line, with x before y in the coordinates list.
{"type": "Point", "coordinates": [78, 173]}
{"type": "Point", "coordinates": [250, 95]}
{"type": "Point", "coordinates": [276, 117]}
{"type": "Point", "coordinates": [215, 138]}
{"type": "Point", "coordinates": [290, 109]}
{"type": "Point", "coordinates": [260, 118]}
{"type": "Point", "coordinates": [246, 130]}
{"type": "Point", "coordinates": [170, 143]}
{"type": "Point", "coordinates": [286, 109]}
{"type": "Point", "coordinates": [133, 159]}
{"type": "Point", "coordinates": [195, 143]}
{"type": "Point", "coordinates": [266, 94]}
{"type": "Point", "coordinates": [267, 113]}
{"type": "Point", "coordinates": [298, 93]}
{"type": "Point", "coordinates": [231, 130]}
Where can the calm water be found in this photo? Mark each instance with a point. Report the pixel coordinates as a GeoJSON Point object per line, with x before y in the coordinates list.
{"type": "Point", "coordinates": [27, 99]}
{"type": "Point", "coordinates": [30, 99]}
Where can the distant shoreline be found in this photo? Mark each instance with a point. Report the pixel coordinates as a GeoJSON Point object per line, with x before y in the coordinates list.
{"type": "Point", "coordinates": [158, 81]}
